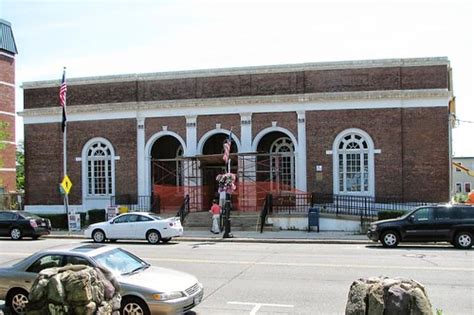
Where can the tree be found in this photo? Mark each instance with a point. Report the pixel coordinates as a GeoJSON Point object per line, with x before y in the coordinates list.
{"type": "Point", "coordinates": [3, 137]}
{"type": "Point", "coordinates": [20, 167]}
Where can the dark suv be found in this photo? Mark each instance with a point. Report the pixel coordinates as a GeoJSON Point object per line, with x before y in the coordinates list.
{"type": "Point", "coordinates": [440, 223]}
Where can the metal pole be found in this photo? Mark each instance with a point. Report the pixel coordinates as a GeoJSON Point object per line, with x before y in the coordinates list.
{"type": "Point", "coordinates": [66, 199]}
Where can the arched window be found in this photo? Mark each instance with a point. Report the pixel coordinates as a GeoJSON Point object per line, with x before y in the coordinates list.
{"type": "Point", "coordinates": [354, 164]}
{"type": "Point", "coordinates": [99, 169]}
{"type": "Point", "coordinates": [283, 163]}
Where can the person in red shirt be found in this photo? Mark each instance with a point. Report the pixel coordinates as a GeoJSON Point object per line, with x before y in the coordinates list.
{"type": "Point", "coordinates": [216, 212]}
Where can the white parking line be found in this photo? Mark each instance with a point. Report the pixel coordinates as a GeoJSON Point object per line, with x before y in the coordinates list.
{"type": "Point", "coordinates": [257, 306]}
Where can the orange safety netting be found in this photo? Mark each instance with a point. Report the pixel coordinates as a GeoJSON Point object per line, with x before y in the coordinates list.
{"type": "Point", "coordinates": [248, 196]}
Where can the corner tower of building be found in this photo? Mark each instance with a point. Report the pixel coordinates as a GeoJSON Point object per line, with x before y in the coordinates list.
{"type": "Point", "coordinates": [7, 108]}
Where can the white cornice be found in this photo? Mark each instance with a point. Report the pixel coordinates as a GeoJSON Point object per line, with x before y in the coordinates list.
{"type": "Point", "coordinates": [355, 64]}
{"type": "Point", "coordinates": [237, 105]}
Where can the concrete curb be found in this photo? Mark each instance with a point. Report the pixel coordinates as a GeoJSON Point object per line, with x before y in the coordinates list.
{"type": "Point", "coordinates": [245, 240]}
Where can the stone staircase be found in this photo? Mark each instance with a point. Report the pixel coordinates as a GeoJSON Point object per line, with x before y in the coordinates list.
{"type": "Point", "coordinates": [240, 221]}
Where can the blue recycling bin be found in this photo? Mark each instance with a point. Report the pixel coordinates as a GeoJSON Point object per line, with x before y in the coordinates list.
{"type": "Point", "coordinates": [313, 218]}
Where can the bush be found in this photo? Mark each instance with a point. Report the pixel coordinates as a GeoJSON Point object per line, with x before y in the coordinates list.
{"type": "Point", "coordinates": [96, 215]}
{"type": "Point", "coordinates": [390, 214]}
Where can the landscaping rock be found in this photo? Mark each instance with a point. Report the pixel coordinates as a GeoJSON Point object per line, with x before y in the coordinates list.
{"type": "Point", "coordinates": [75, 290]}
{"type": "Point", "coordinates": [387, 296]}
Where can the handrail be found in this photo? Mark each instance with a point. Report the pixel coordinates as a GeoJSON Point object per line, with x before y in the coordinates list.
{"type": "Point", "coordinates": [184, 209]}
{"type": "Point", "coordinates": [267, 207]}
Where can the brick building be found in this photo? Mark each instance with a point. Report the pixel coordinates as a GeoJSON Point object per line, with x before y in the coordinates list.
{"type": "Point", "coordinates": [7, 108]}
{"type": "Point", "coordinates": [371, 128]}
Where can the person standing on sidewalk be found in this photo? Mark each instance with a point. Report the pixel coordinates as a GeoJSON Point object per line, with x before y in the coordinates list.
{"type": "Point", "coordinates": [216, 212]}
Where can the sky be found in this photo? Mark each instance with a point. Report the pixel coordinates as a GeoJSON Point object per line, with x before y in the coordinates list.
{"type": "Point", "coordinates": [106, 37]}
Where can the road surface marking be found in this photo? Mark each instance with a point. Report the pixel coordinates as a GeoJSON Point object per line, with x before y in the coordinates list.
{"type": "Point", "coordinates": [288, 264]}
{"type": "Point", "coordinates": [257, 306]}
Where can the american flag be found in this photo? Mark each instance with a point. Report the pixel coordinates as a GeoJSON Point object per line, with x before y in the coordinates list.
{"type": "Point", "coordinates": [227, 144]}
{"type": "Point", "coordinates": [62, 98]}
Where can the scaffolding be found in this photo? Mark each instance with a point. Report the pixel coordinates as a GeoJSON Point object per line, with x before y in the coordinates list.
{"type": "Point", "coordinates": [257, 175]}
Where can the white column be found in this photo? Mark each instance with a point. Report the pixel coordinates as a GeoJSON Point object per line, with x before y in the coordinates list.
{"type": "Point", "coordinates": [141, 176]}
{"type": "Point", "coordinates": [301, 153]}
{"type": "Point", "coordinates": [191, 136]}
{"type": "Point", "coordinates": [246, 132]}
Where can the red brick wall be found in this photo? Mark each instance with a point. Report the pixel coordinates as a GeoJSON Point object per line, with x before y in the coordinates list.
{"type": "Point", "coordinates": [287, 120]}
{"type": "Point", "coordinates": [174, 124]}
{"type": "Point", "coordinates": [7, 104]}
{"type": "Point", "coordinates": [414, 158]}
{"type": "Point", "coordinates": [44, 158]}
{"type": "Point", "coordinates": [7, 69]}
{"type": "Point", "coordinates": [342, 80]}
{"type": "Point", "coordinates": [208, 122]}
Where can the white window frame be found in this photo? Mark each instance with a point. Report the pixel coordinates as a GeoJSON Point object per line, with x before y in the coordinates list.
{"type": "Point", "coordinates": [370, 164]}
{"type": "Point", "coordinates": [275, 147]}
{"type": "Point", "coordinates": [110, 168]}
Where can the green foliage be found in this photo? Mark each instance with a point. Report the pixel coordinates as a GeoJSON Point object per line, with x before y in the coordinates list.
{"type": "Point", "coordinates": [3, 137]}
{"type": "Point", "coordinates": [390, 214]}
{"type": "Point", "coordinates": [20, 167]}
{"type": "Point", "coordinates": [460, 198]}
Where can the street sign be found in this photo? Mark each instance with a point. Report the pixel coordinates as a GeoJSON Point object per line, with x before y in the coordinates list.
{"type": "Point", "coordinates": [66, 184]}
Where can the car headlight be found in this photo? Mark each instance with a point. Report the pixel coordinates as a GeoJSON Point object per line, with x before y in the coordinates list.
{"type": "Point", "coordinates": [373, 227]}
{"type": "Point", "coordinates": [168, 296]}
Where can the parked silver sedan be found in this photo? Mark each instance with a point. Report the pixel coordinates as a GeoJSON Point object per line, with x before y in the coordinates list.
{"type": "Point", "coordinates": [145, 289]}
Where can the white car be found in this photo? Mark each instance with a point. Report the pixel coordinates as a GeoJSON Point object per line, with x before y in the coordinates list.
{"type": "Point", "coordinates": [136, 225]}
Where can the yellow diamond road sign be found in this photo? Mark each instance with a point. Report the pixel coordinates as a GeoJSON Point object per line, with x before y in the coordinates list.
{"type": "Point", "coordinates": [66, 184]}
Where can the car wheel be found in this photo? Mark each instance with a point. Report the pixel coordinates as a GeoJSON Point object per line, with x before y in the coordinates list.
{"type": "Point", "coordinates": [153, 237]}
{"type": "Point", "coordinates": [166, 239]}
{"type": "Point", "coordinates": [98, 236]}
{"type": "Point", "coordinates": [463, 240]}
{"type": "Point", "coordinates": [16, 234]}
{"type": "Point", "coordinates": [17, 301]}
{"type": "Point", "coordinates": [133, 306]}
{"type": "Point", "coordinates": [389, 239]}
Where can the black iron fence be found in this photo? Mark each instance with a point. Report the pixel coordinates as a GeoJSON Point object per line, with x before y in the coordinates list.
{"type": "Point", "coordinates": [132, 202]}
{"type": "Point", "coordinates": [361, 205]}
{"type": "Point", "coordinates": [299, 203]}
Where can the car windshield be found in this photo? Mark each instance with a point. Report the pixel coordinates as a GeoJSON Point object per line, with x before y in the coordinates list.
{"type": "Point", "coordinates": [120, 261]}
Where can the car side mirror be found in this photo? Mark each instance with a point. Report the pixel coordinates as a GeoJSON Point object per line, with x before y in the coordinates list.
{"type": "Point", "coordinates": [411, 218]}
{"type": "Point", "coordinates": [111, 222]}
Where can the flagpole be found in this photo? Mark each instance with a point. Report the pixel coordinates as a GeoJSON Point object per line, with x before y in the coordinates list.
{"type": "Point", "coordinates": [66, 198]}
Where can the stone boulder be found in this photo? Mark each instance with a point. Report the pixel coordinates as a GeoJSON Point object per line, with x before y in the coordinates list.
{"type": "Point", "coordinates": [75, 290]}
{"type": "Point", "coordinates": [387, 296]}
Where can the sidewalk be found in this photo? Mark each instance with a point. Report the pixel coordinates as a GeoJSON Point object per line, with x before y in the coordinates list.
{"type": "Point", "coordinates": [326, 237]}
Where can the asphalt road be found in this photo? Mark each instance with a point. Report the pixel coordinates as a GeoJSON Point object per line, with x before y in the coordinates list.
{"type": "Point", "coordinates": [261, 278]}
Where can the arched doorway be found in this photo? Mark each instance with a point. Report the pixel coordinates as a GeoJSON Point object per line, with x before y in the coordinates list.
{"type": "Point", "coordinates": [213, 164]}
{"type": "Point", "coordinates": [276, 162]}
{"type": "Point", "coordinates": [167, 173]}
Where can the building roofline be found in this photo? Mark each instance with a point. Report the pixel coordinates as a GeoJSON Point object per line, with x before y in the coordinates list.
{"type": "Point", "coordinates": [234, 71]}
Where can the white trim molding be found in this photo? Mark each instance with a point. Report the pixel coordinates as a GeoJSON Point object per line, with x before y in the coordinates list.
{"type": "Point", "coordinates": [210, 133]}
{"type": "Point", "coordinates": [146, 176]}
{"type": "Point", "coordinates": [371, 162]}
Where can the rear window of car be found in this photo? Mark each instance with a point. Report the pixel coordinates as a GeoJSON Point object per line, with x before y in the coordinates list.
{"type": "Point", "coordinates": [156, 217]}
{"type": "Point", "coordinates": [27, 215]}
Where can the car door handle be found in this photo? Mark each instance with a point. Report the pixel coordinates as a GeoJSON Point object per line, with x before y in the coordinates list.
{"type": "Point", "coordinates": [28, 281]}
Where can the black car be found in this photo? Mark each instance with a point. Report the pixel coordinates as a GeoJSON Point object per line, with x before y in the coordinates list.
{"type": "Point", "coordinates": [439, 223]}
{"type": "Point", "coordinates": [17, 224]}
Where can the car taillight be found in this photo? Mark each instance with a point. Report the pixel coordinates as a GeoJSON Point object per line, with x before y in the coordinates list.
{"type": "Point", "coordinates": [33, 224]}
